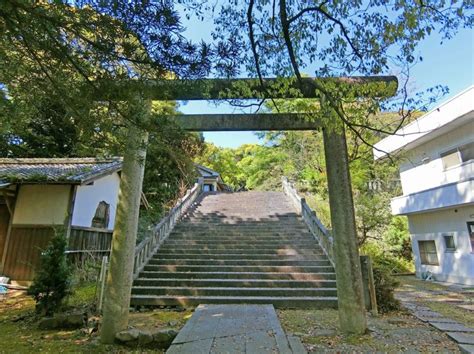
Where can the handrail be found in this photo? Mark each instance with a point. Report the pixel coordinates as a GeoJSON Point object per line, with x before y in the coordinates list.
{"type": "Point", "coordinates": [318, 230]}
{"type": "Point", "coordinates": [147, 248]}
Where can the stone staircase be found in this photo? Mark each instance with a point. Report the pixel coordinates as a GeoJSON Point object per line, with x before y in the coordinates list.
{"type": "Point", "coordinates": [247, 247]}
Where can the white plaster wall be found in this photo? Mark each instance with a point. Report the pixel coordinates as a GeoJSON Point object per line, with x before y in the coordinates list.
{"type": "Point", "coordinates": [89, 196]}
{"type": "Point", "coordinates": [457, 266]}
{"type": "Point", "coordinates": [41, 204]}
{"type": "Point", "coordinates": [417, 176]}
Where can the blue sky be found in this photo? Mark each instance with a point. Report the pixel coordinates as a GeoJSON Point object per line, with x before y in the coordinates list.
{"type": "Point", "coordinates": [450, 63]}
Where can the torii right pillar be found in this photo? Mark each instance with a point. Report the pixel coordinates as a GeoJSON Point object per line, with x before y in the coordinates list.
{"type": "Point", "coordinates": [351, 308]}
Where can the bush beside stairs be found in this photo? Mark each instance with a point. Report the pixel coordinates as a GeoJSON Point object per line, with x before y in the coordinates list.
{"type": "Point", "coordinates": [239, 248]}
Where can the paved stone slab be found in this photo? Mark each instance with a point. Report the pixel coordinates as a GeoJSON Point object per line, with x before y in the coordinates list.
{"type": "Point", "coordinates": [451, 327]}
{"type": "Point", "coordinates": [296, 345]}
{"type": "Point", "coordinates": [462, 338]}
{"type": "Point", "coordinates": [197, 347]}
{"type": "Point", "coordinates": [436, 319]}
{"type": "Point", "coordinates": [466, 348]}
{"type": "Point", "coordinates": [229, 345]}
{"type": "Point", "coordinates": [427, 314]}
{"type": "Point", "coordinates": [233, 329]}
{"type": "Point", "coordinates": [467, 307]}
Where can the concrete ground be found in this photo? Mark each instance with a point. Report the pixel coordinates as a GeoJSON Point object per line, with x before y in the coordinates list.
{"type": "Point", "coordinates": [234, 329]}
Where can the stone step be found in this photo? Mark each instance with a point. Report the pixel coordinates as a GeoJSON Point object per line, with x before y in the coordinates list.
{"type": "Point", "coordinates": [240, 275]}
{"type": "Point", "coordinates": [240, 239]}
{"type": "Point", "coordinates": [237, 242]}
{"type": "Point", "coordinates": [237, 268]}
{"type": "Point", "coordinates": [300, 226]}
{"type": "Point", "coordinates": [243, 248]}
{"type": "Point", "coordinates": [314, 251]}
{"type": "Point", "coordinates": [243, 257]}
{"type": "Point", "coordinates": [236, 221]}
{"type": "Point", "coordinates": [235, 291]}
{"type": "Point", "coordinates": [229, 235]}
{"type": "Point", "coordinates": [241, 283]}
{"type": "Point", "coordinates": [240, 215]}
{"type": "Point", "coordinates": [239, 262]}
{"type": "Point", "coordinates": [279, 302]}
{"type": "Point", "coordinates": [235, 230]}
{"type": "Point", "coordinates": [243, 245]}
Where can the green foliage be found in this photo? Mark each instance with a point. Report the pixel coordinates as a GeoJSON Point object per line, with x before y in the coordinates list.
{"type": "Point", "coordinates": [397, 236]}
{"type": "Point", "coordinates": [385, 285]}
{"type": "Point", "coordinates": [382, 256]}
{"type": "Point", "coordinates": [384, 265]}
{"type": "Point", "coordinates": [52, 282]}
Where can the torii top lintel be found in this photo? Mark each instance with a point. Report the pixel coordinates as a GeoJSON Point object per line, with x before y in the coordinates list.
{"type": "Point", "coordinates": [221, 89]}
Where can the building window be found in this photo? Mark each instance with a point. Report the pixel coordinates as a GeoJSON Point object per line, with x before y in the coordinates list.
{"type": "Point", "coordinates": [428, 254]}
{"type": "Point", "coordinates": [101, 217]}
{"type": "Point", "coordinates": [457, 156]}
{"type": "Point", "coordinates": [449, 243]}
{"type": "Point", "coordinates": [470, 228]}
{"type": "Point", "coordinates": [450, 158]}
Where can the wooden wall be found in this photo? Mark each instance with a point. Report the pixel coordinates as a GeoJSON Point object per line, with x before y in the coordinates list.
{"type": "Point", "coordinates": [24, 250]}
{"type": "Point", "coordinates": [4, 219]}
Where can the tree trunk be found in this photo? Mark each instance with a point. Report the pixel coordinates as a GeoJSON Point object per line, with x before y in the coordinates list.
{"type": "Point", "coordinates": [120, 275]}
{"type": "Point", "coordinates": [352, 316]}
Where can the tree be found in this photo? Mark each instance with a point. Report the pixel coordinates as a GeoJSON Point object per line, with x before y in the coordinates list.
{"type": "Point", "coordinates": [66, 49]}
{"type": "Point", "coordinates": [280, 38]}
{"type": "Point", "coordinates": [52, 281]}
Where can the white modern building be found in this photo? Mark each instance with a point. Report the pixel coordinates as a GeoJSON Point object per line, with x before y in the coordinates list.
{"type": "Point", "coordinates": [437, 178]}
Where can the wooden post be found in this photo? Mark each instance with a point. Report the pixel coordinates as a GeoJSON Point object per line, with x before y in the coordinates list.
{"type": "Point", "coordinates": [368, 283]}
{"type": "Point", "coordinates": [352, 316]}
{"type": "Point", "coordinates": [120, 274]}
{"type": "Point", "coordinates": [9, 230]}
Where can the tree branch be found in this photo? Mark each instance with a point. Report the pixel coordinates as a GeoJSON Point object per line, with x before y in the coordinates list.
{"type": "Point", "coordinates": [323, 12]}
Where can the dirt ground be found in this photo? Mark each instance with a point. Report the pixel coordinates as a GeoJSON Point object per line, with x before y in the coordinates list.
{"type": "Point", "coordinates": [19, 331]}
{"type": "Point", "coordinates": [318, 329]}
{"type": "Point", "coordinates": [396, 332]}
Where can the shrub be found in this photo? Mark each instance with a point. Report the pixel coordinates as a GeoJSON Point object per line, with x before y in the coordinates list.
{"type": "Point", "coordinates": [385, 284]}
{"type": "Point", "coordinates": [52, 282]}
{"type": "Point", "coordinates": [385, 264]}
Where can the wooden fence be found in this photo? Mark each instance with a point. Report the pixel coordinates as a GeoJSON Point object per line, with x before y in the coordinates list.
{"type": "Point", "coordinates": [88, 243]}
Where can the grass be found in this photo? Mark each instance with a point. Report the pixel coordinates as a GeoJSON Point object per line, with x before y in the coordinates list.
{"type": "Point", "coordinates": [20, 334]}
{"type": "Point", "coordinates": [449, 310]}
{"type": "Point", "coordinates": [415, 284]}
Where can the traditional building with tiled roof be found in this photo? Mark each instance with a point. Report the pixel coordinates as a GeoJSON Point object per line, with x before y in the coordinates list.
{"type": "Point", "coordinates": [38, 197]}
{"type": "Point", "coordinates": [212, 181]}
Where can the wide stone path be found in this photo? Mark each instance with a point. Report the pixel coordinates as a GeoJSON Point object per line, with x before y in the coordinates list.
{"type": "Point", "coordinates": [234, 329]}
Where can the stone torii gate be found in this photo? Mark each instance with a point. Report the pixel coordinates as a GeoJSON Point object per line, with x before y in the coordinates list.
{"type": "Point", "coordinates": [346, 256]}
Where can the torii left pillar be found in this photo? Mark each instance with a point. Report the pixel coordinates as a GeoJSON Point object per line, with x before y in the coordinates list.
{"type": "Point", "coordinates": [120, 274]}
